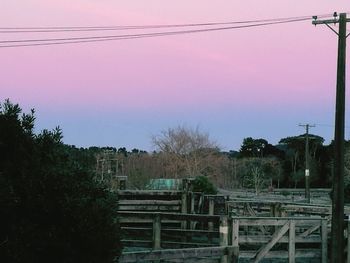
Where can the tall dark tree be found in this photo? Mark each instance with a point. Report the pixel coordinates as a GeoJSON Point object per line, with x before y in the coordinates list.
{"type": "Point", "coordinates": [258, 148]}
{"type": "Point", "coordinates": [294, 148]}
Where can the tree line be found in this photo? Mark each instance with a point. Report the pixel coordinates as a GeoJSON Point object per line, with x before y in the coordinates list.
{"type": "Point", "coordinates": [184, 152]}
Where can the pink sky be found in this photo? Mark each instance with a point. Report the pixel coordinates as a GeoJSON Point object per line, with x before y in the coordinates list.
{"type": "Point", "coordinates": [258, 82]}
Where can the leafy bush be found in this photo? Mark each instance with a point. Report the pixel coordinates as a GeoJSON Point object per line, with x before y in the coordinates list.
{"type": "Point", "coordinates": [202, 184]}
{"type": "Point", "coordinates": [51, 209]}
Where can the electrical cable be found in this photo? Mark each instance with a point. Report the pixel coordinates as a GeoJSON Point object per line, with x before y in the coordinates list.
{"type": "Point", "coordinates": [86, 39]}
{"type": "Point", "coordinates": [71, 40]}
{"type": "Point", "coordinates": [103, 28]}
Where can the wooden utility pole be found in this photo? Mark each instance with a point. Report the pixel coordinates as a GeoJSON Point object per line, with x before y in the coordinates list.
{"type": "Point", "coordinates": [307, 162]}
{"type": "Point", "coordinates": [337, 233]}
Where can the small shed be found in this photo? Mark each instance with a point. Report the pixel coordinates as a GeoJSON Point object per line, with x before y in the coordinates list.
{"type": "Point", "coordinates": [165, 184]}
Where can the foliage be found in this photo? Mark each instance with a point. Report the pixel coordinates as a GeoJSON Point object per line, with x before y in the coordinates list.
{"type": "Point", "coordinates": [51, 209]}
{"type": "Point", "coordinates": [294, 162]}
{"type": "Point", "coordinates": [202, 184]}
{"type": "Point", "coordinates": [253, 147]}
{"type": "Point", "coordinates": [258, 148]}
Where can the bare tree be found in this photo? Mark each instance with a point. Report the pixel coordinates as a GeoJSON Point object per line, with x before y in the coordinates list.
{"type": "Point", "coordinates": [258, 172]}
{"type": "Point", "coordinates": [187, 150]}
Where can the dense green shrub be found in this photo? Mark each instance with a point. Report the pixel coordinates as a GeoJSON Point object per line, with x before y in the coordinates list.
{"type": "Point", "coordinates": [202, 184]}
{"type": "Point", "coordinates": [51, 209]}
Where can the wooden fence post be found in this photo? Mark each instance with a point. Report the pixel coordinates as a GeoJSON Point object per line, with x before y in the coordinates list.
{"type": "Point", "coordinates": [272, 210]}
{"type": "Point", "coordinates": [275, 210]}
{"type": "Point", "coordinates": [157, 231]}
{"type": "Point", "coordinates": [184, 208]}
{"type": "Point", "coordinates": [211, 212]}
{"type": "Point", "coordinates": [324, 240]}
{"type": "Point", "coordinates": [192, 210]}
{"type": "Point", "coordinates": [121, 182]}
{"type": "Point", "coordinates": [200, 204]}
{"type": "Point", "coordinates": [235, 240]}
{"type": "Point", "coordinates": [348, 243]}
{"type": "Point", "coordinates": [192, 202]}
{"type": "Point", "coordinates": [291, 250]}
{"type": "Point", "coordinates": [223, 236]}
{"type": "Point", "coordinates": [227, 200]}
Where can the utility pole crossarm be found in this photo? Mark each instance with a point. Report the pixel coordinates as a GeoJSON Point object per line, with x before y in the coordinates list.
{"type": "Point", "coordinates": [328, 21]}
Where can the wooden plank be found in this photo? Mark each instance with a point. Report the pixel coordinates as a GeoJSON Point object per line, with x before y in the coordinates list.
{"type": "Point", "coordinates": [211, 212]}
{"type": "Point", "coordinates": [136, 228]}
{"type": "Point", "coordinates": [134, 220]}
{"type": "Point", "coordinates": [276, 236]}
{"type": "Point", "coordinates": [348, 242]}
{"type": "Point", "coordinates": [259, 239]}
{"type": "Point", "coordinates": [192, 210]}
{"type": "Point", "coordinates": [193, 260]}
{"type": "Point", "coordinates": [235, 241]}
{"type": "Point", "coordinates": [190, 231]}
{"type": "Point", "coordinates": [184, 208]}
{"type": "Point", "coordinates": [223, 236]}
{"type": "Point", "coordinates": [157, 232]}
{"type": "Point", "coordinates": [310, 230]}
{"type": "Point", "coordinates": [169, 254]}
{"type": "Point", "coordinates": [291, 246]}
{"type": "Point", "coordinates": [187, 244]}
{"type": "Point", "coordinates": [147, 192]}
{"type": "Point", "coordinates": [324, 237]}
{"type": "Point", "coordinates": [149, 202]}
{"type": "Point", "coordinates": [212, 252]}
{"type": "Point", "coordinates": [200, 204]}
{"type": "Point", "coordinates": [280, 254]}
{"type": "Point", "coordinates": [143, 208]}
{"type": "Point", "coordinates": [188, 238]}
{"type": "Point", "coordinates": [266, 221]}
{"type": "Point", "coordinates": [235, 233]}
{"type": "Point", "coordinates": [169, 216]}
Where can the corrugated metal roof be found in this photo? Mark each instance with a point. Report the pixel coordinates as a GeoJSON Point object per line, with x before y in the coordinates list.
{"type": "Point", "coordinates": [164, 184]}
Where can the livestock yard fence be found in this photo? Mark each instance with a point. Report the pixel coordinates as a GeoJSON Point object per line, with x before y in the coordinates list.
{"type": "Point", "coordinates": [184, 226]}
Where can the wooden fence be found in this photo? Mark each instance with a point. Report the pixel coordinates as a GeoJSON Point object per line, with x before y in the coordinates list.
{"type": "Point", "coordinates": [264, 208]}
{"type": "Point", "coordinates": [266, 233]}
{"type": "Point", "coordinates": [251, 228]}
{"type": "Point", "coordinates": [185, 202]}
{"type": "Point", "coordinates": [254, 238]}
{"type": "Point", "coordinates": [168, 230]}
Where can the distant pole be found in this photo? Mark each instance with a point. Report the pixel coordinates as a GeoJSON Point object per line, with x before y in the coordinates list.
{"type": "Point", "coordinates": [337, 231]}
{"type": "Point", "coordinates": [307, 162]}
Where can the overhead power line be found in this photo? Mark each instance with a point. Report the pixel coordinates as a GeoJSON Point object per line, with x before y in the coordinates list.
{"type": "Point", "coordinates": [86, 39]}
{"type": "Point", "coordinates": [151, 34]}
{"type": "Point", "coordinates": [54, 29]}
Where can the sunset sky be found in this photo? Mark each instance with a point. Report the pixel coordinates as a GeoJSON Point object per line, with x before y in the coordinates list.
{"type": "Point", "coordinates": [253, 82]}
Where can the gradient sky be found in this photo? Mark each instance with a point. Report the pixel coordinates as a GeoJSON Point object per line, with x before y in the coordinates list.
{"type": "Point", "coordinates": [258, 82]}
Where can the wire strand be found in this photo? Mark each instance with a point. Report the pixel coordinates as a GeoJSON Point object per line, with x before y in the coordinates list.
{"type": "Point", "coordinates": [55, 41]}
{"type": "Point", "coordinates": [103, 28]}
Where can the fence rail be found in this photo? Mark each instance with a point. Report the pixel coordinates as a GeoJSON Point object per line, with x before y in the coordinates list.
{"type": "Point", "coordinates": [212, 254]}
